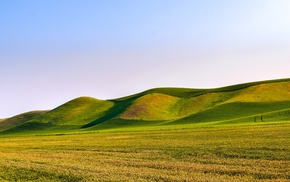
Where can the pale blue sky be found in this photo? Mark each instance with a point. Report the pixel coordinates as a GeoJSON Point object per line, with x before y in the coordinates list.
{"type": "Point", "coordinates": [52, 51]}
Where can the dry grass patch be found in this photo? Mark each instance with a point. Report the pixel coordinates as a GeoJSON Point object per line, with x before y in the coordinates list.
{"type": "Point", "coordinates": [252, 153]}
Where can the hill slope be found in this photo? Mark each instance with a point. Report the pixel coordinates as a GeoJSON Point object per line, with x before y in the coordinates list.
{"type": "Point", "coordinates": [160, 106]}
{"type": "Point", "coordinates": [243, 103]}
{"type": "Point", "coordinates": [71, 115]}
{"type": "Point", "coordinates": [19, 119]}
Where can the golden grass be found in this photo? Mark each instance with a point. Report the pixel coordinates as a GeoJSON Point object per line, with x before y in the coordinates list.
{"type": "Point", "coordinates": [165, 107]}
{"type": "Point", "coordinates": [19, 119]}
{"type": "Point", "coordinates": [152, 107]}
{"type": "Point", "coordinates": [79, 111]}
{"type": "Point", "coordinates": [252, 153]}
{"type": "Point", "coordinates": [193, 105]}
{"type": "Point", "coordinates": [271, 92]}
{"type": "Point", "coordinates": [157, 106]}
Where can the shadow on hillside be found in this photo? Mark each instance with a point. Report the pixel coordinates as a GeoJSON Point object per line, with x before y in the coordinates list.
{"type": "Point", "coordinates": [118, 108]}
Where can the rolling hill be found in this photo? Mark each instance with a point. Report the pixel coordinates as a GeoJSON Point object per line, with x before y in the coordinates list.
{"type": "Point", "coordinates": [18, 120]}
{"type": "Point", "coordinates": [249, 103]}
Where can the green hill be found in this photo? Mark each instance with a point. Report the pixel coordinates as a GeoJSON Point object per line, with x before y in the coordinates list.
{"type": "Point", "coordinates": [256, 97]}
{"type": "Point", "coordinates": [18, 120]}
{"type": "Point", "coordinates": [249, 103]}
{"type": "Point", "coordinates": [77, 112]}
{"type": "Point", "coordinates": [71, 115]}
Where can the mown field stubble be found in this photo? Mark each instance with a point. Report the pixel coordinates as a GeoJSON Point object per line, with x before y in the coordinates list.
{"type": "Point", "coordinates": [233, 153]}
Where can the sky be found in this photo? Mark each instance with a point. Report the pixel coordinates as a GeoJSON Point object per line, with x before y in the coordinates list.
{"type": "Point", "coordinates": [53, 51]}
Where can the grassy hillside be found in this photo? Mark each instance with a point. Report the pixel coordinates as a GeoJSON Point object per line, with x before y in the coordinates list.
{"type": "Point", "coordinates": [243, 104]}
{"type": "Point", "coordinates": [235, 133]}
{"type": "Point", "coordinates": [271, 92]}
{"type": "Point", "coordinates": [77, 112]}
{"type": "Point", "coordinates": [189, 92]}
{"type": "Point", "coordinates": [153, 106]}
{"type": "Point", "coordinates": [211, 104]}
{"type": "Point", "coordinates": [234, 111]}
{"type": "Point", "coordinates": [19, 119]}
{"type": "Point", "coordinates": [156, 106]}
{"type": "Point", "coordinates": [71, 115]}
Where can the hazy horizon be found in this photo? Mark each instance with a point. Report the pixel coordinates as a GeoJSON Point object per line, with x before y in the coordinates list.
{"type": "Point", "coordinates": [54, 51]}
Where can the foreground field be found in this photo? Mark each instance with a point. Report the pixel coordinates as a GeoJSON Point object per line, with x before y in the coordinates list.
{"type": "Point", "coordinates": [233, 153]}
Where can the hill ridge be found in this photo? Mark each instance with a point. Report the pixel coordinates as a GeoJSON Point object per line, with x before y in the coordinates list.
{"type": "Point", "coordinates": [167, 105]}
{"type": "Point", "coordinates": [199, 91]}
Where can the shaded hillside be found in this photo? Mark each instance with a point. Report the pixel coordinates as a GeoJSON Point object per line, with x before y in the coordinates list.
{"type": "Point", "coordinates": [242, 103]}
{"type": "Point", "coordinates": [160, 106]}
{"type": "Point", "coordinates": [19, 119]}
{"type": "Point", "coordinates": [189, 92]}
{"type": "Point", "coordinates": [235, 110]}
{"type": "Point", "coordinates": [71, 115]}
{"type": "Point", "coordinates": [76, 112]}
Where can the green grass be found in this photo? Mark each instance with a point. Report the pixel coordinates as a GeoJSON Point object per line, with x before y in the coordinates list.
{"type": "Point", "coordinates": [19, 119]}
{"type": "Point", "coordinates": [71, 115]}
{"type": "Point", "coordinates": [161, 107]}
{"type": "Point", "coordinates": [234, 111]}
{"type": "Point", "coordinates": [235, 133]}
{"type": "Point", "coordinates": [234, 153]}
{"type": "Point", "coordinates": [152, 107]}
{"type": "Point", "coordinates": [76, 112]}
{"type": "Point", "coordinates": [187, 92]}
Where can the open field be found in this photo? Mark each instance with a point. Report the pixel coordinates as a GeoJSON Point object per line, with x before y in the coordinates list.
{"type": "Point", "coordinates": [237, 153]}
{"type": "Point", "coordinates": [234, 133]}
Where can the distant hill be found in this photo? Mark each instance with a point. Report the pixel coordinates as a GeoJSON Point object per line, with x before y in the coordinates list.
{"type": "Point", "coordinates": [18, 120]}
{"type": "Point", "coordinates": [265, 101]}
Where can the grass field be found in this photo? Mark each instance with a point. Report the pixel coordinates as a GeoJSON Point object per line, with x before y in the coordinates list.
{"type": "Point", "coordinates": [243, 153]}
{"type": "Point", "coordinates": [235, 133]}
